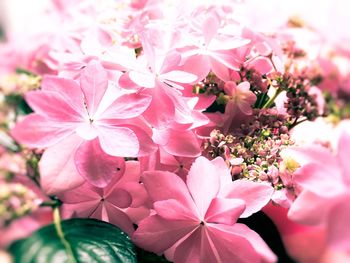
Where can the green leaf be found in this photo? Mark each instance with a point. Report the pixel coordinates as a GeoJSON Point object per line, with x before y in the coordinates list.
{"type": "Point", "coordinates": [81, 240]}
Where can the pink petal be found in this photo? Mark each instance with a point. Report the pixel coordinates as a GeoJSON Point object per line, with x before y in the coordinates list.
{"type": "Point", "coordinates": [220, 70]}
{"type": "Point", "coordinates": [179, 76]}
{"type": "Point", "coordinates": [161, 110]}
{"type": "Point", "coordinates": [52, 105]}
{"type": "Point", "coordinates": [225, 58]}
{"type": "Point", "coordinates": [343, 155]}
{"type": "Point", "coordinates": [36, 131]}
{"type": "Point", "coordinates": [323, 181]}
{"type": "Point", "coordinates": [119, 218]}
{"type": "Point", "coordinates": [137, 191]}
{"type": "Point", "coordinates": [261, 64]}
{"type": "Point", "coordinates": [223, 237]}
{"type": "Point", "coordinates": [210, 28]}
{"type": "Point", "coordinates": [171, 61]}
{"type": "Point", "coordinates": [172, 209]}
{"type": "Point", "coordinates": [82, 194]}
{"type": "Point", "coordinates": [224, 211]}
{"type": "Point", "coordinates": [255, 195]}
{"type": "Point", "coordinates": [143, 79]}
{"type": "Point", "coordinates": [182, 143]}
{"type": "Point", "coordinates": [94, 83]}
{"type": "Point", "coordinates": [97, 167]}
{"type": "Point", "coordinates": [338, 225]}
{"type": "Point", "coordinates": [156, 181]}
{"type": "Point", "coordinates": [68, 88]}
{"type": "Point", "coordinates": [119, 198]}
{"type": "Point", "coordinates": [254, 239]}
{"type": "Point", "coordinates": [203, 183]}
{"type": "Point", "coordinates": [127, 106]}
{"type": "Point", "coordinates": [198, 65]}
{"type": "Point", "coordinates": [156, 234]}
{"type": "Point", "coordinates": [57, 169]}
{"type": "Point", "coordinates": [190, 250]}
{"type": "Point", "coordinates": [310, 208]}
{"type": "Point", "coordinates": [118, 141]}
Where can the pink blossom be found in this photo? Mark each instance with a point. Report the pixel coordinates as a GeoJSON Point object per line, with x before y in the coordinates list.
{"type": "Point", "coordinates": [196, 221]}
{"type": "Point", "coordinates": [323, 179]}
{"type": "Point", "coordinates": [239, 101]}
{"type": "Point", "coordinates": [212, 51]}
{"type": "Point", "coordinates": [64, 109]}
{"type": "Point", "coordinates": [110, 203]}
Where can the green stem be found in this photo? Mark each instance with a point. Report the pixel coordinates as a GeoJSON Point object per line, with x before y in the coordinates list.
{"type": "Point", "coordinates": [272, 99]}
{"type": "Point", "coordinates": [58, 227]}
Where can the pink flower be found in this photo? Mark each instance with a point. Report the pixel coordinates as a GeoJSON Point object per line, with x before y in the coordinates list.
{"type": "Point", "coordinates": [239, 101]}
{"type": "Point", "coordinates": [91, 117]}
{"type": "Point", "coordinates": [212, 51]}
{"type": "Point", "coordinates": [324, 182]}
{"type": "Point", "coordinates": [196, 221]}
{"type": "Point", "coordinates": [110, 203]}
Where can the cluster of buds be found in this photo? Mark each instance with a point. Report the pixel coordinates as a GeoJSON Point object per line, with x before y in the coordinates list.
{"type": "Point", "coordinates": [301, 102]}
{"type": "Point", "coordinates": [16, 200]}
{"type": "Point", "coordinates": [253, 150]}
{"type": "Point", "coordinates": [19, 82]}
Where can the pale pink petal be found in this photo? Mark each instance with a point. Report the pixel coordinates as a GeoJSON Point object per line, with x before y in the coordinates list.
{"type": "Point", "coordinates": [172, 209]}
{"type": "Point", "coordinates": [227, 43]}
{"type": "Point", "coordinates": [86, 130]}
{"type": "Point", "coordinates": [36, 131]}
{"type": "Point", "coordinates": [179, 76]}
{"type": "Point", "coordinates": [143, 79]}
{"type": "Point", "coordinates": [203, 183]}
{"type": "Point", "coordinates": [210, 28]}
{"type": "Point", "coordinates": [225, 58]}
{"type": "Point", "coordinates": [256, 195]}
{"type": "Point", "coordinates": [171, 61]}
{"type": "Point", "coordinates": [94, 83]}
{"type": "Point", "coordinates": [157, 181]}
{"type": "Point", "coordinates": [127, 106]}
{"type": "Point", "coordinates": [118, 141]}
{"type": "Point", "coordinates": [57, 169]}
{"type": "Point", "coordinates": [156, 234]}
{"type": "Point", "coordinates": [225, 211]}
{"type": "Point", "coordinates": [97, 167]}
{"type": "Point", "coordinates": [223, 171]}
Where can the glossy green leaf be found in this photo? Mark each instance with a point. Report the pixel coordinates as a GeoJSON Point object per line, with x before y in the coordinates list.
{"type": "Point", "coordinates": [81, 240]}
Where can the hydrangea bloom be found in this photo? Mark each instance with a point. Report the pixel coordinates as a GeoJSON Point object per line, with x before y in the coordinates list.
{"type": "Point", "coordinates": [64, 108]}
{"type": "Point", "coordinates": [196, 221]}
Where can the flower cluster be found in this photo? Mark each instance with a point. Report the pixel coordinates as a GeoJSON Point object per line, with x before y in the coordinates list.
{"type": "Point", "coordinates": [175, 121]}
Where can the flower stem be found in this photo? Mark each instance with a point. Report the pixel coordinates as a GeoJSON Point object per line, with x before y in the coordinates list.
{"type": "Point", "coordinates": [272, 99]}
{"type": "Point", "coordinates": [59, 231]}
